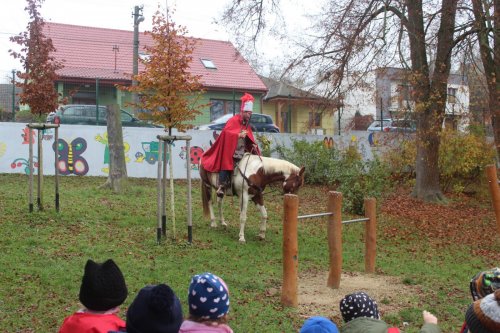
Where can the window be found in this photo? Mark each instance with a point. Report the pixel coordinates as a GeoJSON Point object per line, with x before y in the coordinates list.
{"type": "Point", "coordinates": [452, 95]}
{"type": "Point", "coordinates": [258, 119]}
{"type": "Point", "coordinates": [220, 107]}
{"type": "Point", "coordinates": [314, 119]}
{"type": "Point", "coordinates": [208, 63]}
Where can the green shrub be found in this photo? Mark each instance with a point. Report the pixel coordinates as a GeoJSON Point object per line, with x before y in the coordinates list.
{"type": "Point", "coordinates": [345, 171]}
{"type": "Point", "coordinates": [27, 116]}
{"type": "Point", "coordinates": [462, 158]}
{"type": "Point", "coordinates": [265, 143]}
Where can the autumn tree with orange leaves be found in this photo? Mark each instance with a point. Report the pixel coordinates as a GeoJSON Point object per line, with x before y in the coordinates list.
{"type": "Point", "coordinates": [38, 89]}
{"type": "Point", "coordinates": [168, 90]}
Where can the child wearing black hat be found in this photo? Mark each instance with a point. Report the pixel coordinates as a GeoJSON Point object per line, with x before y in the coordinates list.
{"type": "Point", "coordinates": [156, 309]}
{"type": "Point", "coordinates": [361, 315]}
{"type": "Point", "coordinates": [208, 301]}
{"type": "Point", "coordinates": [102, 291]}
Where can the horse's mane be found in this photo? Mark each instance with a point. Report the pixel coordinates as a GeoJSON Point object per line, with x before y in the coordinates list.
{"type": "Point", "coordinates": [274, 165]}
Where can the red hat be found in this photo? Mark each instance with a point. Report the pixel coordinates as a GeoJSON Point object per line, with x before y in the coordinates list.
{"type": "Point", "coordinates": [246, 103]}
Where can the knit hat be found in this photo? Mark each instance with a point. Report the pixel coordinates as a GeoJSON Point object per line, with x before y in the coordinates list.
{"type": "Point", "coordinates": [483, 316]}
{"type": "Point", "coordinates": [103, 286]}
{"type": "Point", "coordinates": [246, 103]}
{"type": "Point", "coordinates": [358, 304]}
{"type": "Point", "coordinates": [319, 325]}
{"type": "Point", "coordinates": [156, 309]}
{"type": "Point", "coordinates": [208, 296]}
{"type": "Point", "coordinates": [485, 283]}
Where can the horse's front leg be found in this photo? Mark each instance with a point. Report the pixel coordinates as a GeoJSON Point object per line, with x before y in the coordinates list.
{"type": "Point", "coordinates": [243, 215]}
{"type": "Point", "coordinates": [221, 213]}
{"type": "Point", "coordinates": [259, 202]}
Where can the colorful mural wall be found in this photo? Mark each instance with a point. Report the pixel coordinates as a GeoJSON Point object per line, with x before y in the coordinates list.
{"type": "Point", "coordinates": [83, 150]}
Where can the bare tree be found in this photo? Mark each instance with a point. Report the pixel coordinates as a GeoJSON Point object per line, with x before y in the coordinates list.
{"type": "Point", "coordinates": [487, 29]}
{"type": "Point", "coordinates": [353, 37]}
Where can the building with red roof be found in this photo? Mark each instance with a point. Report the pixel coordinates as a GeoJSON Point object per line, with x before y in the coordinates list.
{"type": "Point", "coordinates": [97, 59]}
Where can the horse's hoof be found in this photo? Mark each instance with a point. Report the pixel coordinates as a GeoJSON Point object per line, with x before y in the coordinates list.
{"type": "Point", "coordinates": [224, 224]}
{"type": "Point", "coordinates": [213, 225]}
{"type": "Point", "coordinates": [262, 236]}
{"type": "Point", "coordinates": [242, 241]}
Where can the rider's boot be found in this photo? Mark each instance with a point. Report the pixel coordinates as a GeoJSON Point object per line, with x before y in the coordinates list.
{"type": "Point", "coordinates": [220, 191]}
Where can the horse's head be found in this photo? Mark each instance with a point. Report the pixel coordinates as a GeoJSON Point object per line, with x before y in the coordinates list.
{"type": "Point", "coordinates": [293, 182]}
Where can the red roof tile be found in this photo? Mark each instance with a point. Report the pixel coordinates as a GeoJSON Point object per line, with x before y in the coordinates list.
{"type": "Point", "coordinates": [87, 52]}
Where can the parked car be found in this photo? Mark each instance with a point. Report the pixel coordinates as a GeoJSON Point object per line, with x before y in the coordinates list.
{"type": "Point", "coordinates": [259, 123]}
{"type": "Point", "coordinates": [79, 114]}
{"type": "Point", "coordinates": [393, 125]}
{"type": "Point", "coordinates": [380, 126]}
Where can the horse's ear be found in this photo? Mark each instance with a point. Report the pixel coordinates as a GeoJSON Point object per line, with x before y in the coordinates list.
{"type": "Point", "coordinates": [301, 172]}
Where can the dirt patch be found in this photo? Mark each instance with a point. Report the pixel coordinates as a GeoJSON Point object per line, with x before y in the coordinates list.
{"type": "Point", "coordinates": [316, 299]}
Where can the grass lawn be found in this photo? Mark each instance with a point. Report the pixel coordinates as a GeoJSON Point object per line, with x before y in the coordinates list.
{"type": "Point", "coordinates": [43, 254]}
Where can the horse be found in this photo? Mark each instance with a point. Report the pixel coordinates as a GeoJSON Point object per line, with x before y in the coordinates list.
{"type": "Point", "coordinates": [250, 177]}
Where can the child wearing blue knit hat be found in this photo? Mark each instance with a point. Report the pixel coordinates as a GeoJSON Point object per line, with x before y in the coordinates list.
{"type": "Point", "coordinates": [208, 300]}
{"type": "Point", "coordinates": [319, 325]}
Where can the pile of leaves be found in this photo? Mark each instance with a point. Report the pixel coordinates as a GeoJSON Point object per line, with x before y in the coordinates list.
{"type": "Point", "coordinates": [464, 220]}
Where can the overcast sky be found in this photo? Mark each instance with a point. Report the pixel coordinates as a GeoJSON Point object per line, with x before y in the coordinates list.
{"type": "Point", "coordinates": [197, 15]}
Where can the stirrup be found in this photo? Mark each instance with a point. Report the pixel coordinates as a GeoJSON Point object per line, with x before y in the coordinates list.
{"type": "Point", "coordinates": [220, 191]}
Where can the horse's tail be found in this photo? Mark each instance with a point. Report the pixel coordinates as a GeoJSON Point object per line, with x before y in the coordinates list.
{"type": "Point", "coordinates": [206, 191]}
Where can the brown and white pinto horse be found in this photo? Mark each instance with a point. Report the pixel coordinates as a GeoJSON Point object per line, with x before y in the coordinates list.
{"type": "Point", "coordinates": [249, 180]}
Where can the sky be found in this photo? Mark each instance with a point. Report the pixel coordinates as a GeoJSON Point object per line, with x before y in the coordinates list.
{"type": "Point", "coordinates": [197, 15]}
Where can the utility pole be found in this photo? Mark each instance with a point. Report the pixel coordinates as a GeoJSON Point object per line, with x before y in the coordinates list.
{"type": "Point", "coordinates": [138, 18]}
{"type": "Point", "coordinates": [13, 95]}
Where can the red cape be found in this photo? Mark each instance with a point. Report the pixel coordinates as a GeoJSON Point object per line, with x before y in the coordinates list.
{"type": "Point", "coordinates": [220, 155]}
{"type": "Point", "coordinates": [90, 322]}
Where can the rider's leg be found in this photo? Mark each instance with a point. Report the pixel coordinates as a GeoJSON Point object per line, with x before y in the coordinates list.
{"type": "Point", "coordinates": [224, 181]}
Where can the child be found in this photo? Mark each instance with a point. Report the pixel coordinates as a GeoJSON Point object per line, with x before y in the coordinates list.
{"type": "Point", "coordinates": [102, 290]}
{"type": "Point", "coordinates": [208, 301]}
{"type": "Point", "coordinates": [156, 309]}
{"type": "Point", "coordinates": [483, 316]}
{"type": "Point", "coordinates": [481, 285]}
{"type": "Point", "coordinates": [361, 315]}
{"type": "Point", "coordinates": [319, 325]}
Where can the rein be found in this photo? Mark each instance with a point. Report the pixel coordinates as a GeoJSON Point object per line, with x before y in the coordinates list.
{"type": "Point", "coordinates": [242, 173]}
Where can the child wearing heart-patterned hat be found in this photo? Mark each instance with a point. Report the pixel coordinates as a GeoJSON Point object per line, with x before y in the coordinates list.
{"type": "Point", "coordinates": [208, 300]}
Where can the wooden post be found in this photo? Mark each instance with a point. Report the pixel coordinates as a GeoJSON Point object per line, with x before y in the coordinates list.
{"type": "Point", "coordinates": [335, 238]}
{"type": "Point", "coordinates": [491, 173]}
{"type": "Point", "coordinates": [189, 212]}
{"type": "Point", "coordinates": [172, 188]}
{"type": "Point", "coordinates": [56, 166]}
{"type": "Point", "coordinates": [370, 234]}
{"type": "Point", "coordinates": [31, 168]}
{"type": "Point", "coordinates": [290, 251]}
{"type": "Point", "coordinates": [39, 199]}
{"type": "Point", "coordinates": [159, 193]}
{"type": "Point", "coordinates": [164, 190]}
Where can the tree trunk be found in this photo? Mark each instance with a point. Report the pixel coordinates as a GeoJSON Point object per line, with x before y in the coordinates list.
{"type": "Point", "coordinates": [117, 166]}
{"type": "Point", "coordinates": [491, 61]}
{"type": "Point", "coordinates": [429, 94]}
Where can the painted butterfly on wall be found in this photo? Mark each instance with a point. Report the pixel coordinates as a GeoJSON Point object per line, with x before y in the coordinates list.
{"type": "Point", "coordinates": [70, 159]}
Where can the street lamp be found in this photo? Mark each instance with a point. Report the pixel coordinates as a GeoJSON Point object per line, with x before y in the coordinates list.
{"type": "Point", "coordinates": [138, 18]}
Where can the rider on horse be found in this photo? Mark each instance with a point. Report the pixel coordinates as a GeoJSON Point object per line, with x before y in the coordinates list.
{"type": "Point", "coordinates": [235, 139]}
